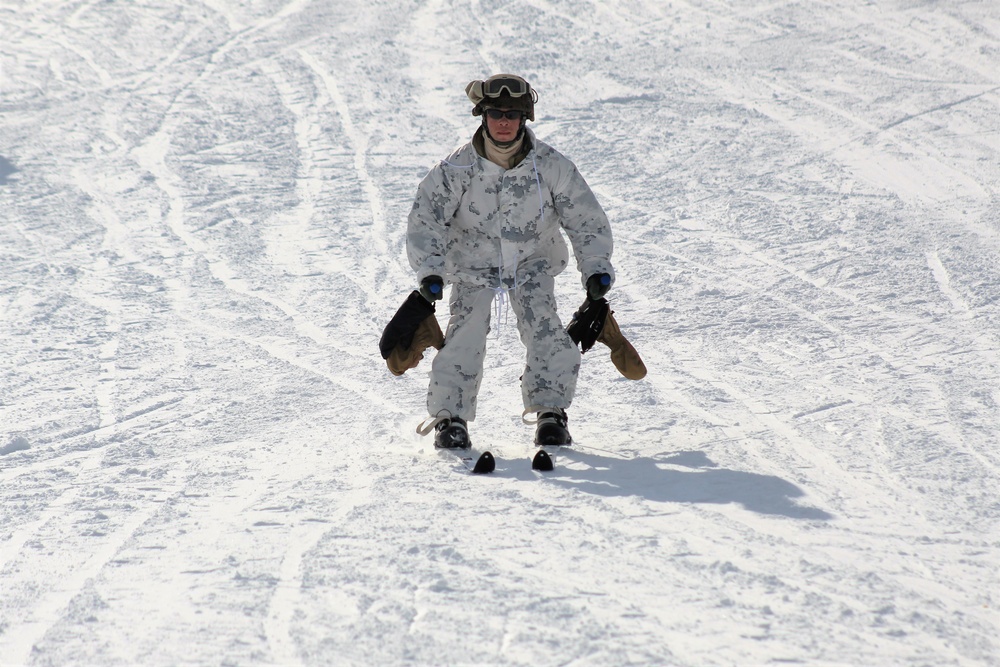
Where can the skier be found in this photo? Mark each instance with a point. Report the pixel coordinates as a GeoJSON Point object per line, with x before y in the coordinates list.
{"type": "Point", "coordinates": [487, 220]}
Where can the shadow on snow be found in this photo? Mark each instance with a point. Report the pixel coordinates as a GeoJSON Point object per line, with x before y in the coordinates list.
{"type": "Point", "coordinates": [659, 479]}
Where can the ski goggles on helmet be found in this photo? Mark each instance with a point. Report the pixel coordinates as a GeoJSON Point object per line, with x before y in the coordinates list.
{"type": "Point", "coordinates": [514, 85]}
{"type": "Point", "coordinates": [497, 85]}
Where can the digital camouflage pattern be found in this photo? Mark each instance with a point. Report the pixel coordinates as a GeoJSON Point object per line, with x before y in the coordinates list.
{"type": "Point", "coordinates": [553, 360]}
{"type": "Point", "coordinates": [495, 233]}
{"type": "Point", "coordinates": [474, 222]}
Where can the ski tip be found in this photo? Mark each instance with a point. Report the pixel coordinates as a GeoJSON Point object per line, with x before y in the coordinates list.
{"type": "Point", "coordinates": [486, 463]}
{"type": "Point", "coordinates": [541, 461]}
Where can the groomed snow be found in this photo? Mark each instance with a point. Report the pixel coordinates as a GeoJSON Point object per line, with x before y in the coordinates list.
{"type": "Point", "coordinates": [204, 460]}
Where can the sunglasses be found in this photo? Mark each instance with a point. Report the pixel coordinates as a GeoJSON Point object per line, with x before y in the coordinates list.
{"type": "Point", "coordinates": [497, 114]}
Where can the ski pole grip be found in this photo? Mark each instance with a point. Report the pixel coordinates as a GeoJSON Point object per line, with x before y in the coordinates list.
{"type": "Point", "coordinates": [432, 288]}
{"type": "Point", "coordinates": [598, 285]}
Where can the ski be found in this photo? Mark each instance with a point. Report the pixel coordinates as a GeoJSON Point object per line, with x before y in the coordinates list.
{"type": "Point", "coordinates": [477, 464]}
{"type": "Point", "coordinates": [542, 461]}
{"type": "Point", "coordinates": [484, 464]}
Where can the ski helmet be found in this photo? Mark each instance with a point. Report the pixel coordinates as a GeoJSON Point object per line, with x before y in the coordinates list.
{"type": "Point", "coordinates": [502, 91]}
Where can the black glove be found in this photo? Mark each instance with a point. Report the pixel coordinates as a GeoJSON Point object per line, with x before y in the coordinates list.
{"type": "Point", "coordinates": [598, 285]}
{"type": "Point", "coordinates": [432, 288]}
{"type": "Point", "coordinates": [588, 322]}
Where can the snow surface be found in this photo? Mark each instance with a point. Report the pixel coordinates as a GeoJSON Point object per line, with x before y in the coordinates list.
{"type": "Point", "coordinates": [206, 462]}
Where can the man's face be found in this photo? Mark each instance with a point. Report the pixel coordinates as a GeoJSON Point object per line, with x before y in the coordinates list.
{"type": "Point", "coordinates": [503, 124]}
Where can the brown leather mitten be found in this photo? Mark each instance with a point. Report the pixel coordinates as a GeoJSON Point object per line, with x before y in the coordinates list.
{"type": "Point", "coordinates": [623, 355]}
{"type": "Point", "coordinates": [412, 330]}
{"type": "Point", "coordinates": [428, 334]}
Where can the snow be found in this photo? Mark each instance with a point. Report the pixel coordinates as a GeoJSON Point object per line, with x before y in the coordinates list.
{"type": "Point", "coordinates": [204, 460]}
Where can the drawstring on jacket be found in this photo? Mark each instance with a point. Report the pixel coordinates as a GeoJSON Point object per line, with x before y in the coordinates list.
{"type": "Point", "coordinates": [502, 305]}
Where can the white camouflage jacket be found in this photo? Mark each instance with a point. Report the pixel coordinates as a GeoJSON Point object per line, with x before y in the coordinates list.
{"type": "Point", "coordinates": [474, 222]}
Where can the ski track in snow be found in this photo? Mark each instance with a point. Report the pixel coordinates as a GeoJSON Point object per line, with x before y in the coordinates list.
{"type": "Point", "coordinates": [203, 459]}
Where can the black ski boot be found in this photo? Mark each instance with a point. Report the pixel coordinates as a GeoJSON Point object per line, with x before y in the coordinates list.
{"type": "Point", "coordinates": [551, 429]}
{"type": "Point", "coordinates": [452, 433]}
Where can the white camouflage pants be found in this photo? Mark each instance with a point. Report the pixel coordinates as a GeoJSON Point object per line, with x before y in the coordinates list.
{"type": "Point", "coordinates": [553, 360]}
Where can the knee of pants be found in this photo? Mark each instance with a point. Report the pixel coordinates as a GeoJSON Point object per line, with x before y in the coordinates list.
{"type": "Point", "coordinates": [565, 356]}
{"type": "Point", "coordinates": [469, 324]}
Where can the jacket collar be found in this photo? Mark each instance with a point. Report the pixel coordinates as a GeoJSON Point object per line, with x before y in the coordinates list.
{"type": "Point", "coordinates": [479, 143]}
